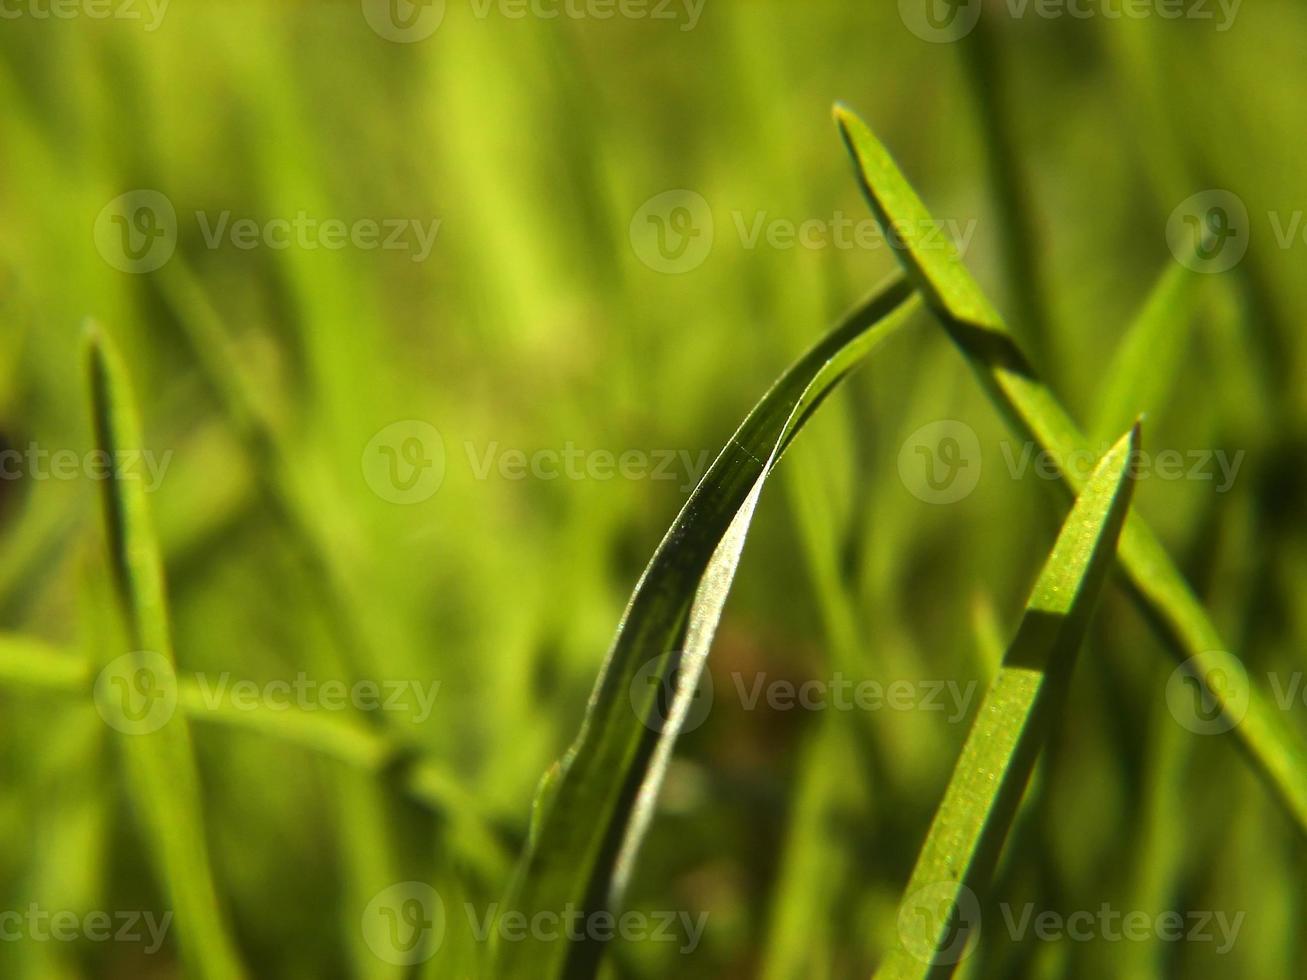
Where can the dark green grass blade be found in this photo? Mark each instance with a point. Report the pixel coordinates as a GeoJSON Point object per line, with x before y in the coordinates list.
{"type": "Point", "coordinates": [973, 821]}
{"type": "Point", "coordinates": [1034, 412]}
{"type": "Point", "coordinates": [597, 806]}
{"type": "Point", "coordinates": [160, 763]}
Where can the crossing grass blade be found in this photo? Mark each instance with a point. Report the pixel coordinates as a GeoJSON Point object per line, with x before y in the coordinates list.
{"type": "Point", "coordinates": [955, 865]}
{"type": "Point", "coordinates": [597, 804]}
{"type": "Point", "coordinates": [1030, 407]}
{"type": "Point", "coordinates": [160, 763]}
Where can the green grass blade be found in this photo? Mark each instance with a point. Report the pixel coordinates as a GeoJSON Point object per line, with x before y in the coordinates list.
{"type": "Point", "coordinates": [988, 82]}
{"type": "Point", "coordinates": [160, 763]}
{"type": "Point", "coordinates": [1003, 745]}
{"type": "Point", "coordinates": [31, 664]}
{"type": "Point", "coordinates": [1035, 413]}
{"type": "Point", "coordinates": [598, 806]}
{"type": "Point", "coordinates": [1146, 362]}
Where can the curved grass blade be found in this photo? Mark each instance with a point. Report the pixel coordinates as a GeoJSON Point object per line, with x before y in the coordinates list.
{"type": "Point", "coordinates": [161, 762]}
{"type": "Point", "coordinates": [594, 811]}
{"type": "Point", "coordinates": [940, 907]}
{"type": "Point", "coordinates": [1033, 411]}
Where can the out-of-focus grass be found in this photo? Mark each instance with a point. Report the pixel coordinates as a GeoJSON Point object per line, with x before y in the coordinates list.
{"type": "Point", "coordinates": [534, 324]}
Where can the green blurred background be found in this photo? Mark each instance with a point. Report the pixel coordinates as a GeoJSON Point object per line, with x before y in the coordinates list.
{"type": "Point", "coordinates": [538, 322]}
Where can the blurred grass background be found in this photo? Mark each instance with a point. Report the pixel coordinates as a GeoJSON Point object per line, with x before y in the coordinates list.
{"type": "Point", "coordinates": [534, 324]}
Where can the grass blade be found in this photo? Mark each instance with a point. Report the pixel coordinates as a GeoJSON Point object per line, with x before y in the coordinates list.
{"type": "Point", "coordinates": [999, 755]}
{"type": "Point", "coordinates": [601, 799]}
{"type": "Point", "coordinates": [1145, 365]}
{"type": "Point", "coordinates": [161, 762]}
{"type": "Point", "coordinates": [989, 85]}
{"type": "Point", "coordinates": [1034, 412]}
{"type": "Point", "coordinates": [31, 664]}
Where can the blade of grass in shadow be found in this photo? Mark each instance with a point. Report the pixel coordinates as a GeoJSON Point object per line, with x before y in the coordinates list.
{"type": "Point", "coordinates": [363, 805]}
{"type": "Point", "coordinates": [1147, 360]}
{"type": "Point", "coordinates": [160, 763]}
{"type": "Point", "coordinates": [1009, 184]}
{"type": "Point", "coordinates": [596, 806]}
{"type": "Point", "coordinates": [34, 665]}
{"type": "Point", "coordinates": [941, 905]}
{"type": "Point", "coordinates": [1031, 408]}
